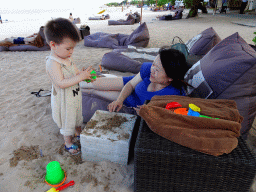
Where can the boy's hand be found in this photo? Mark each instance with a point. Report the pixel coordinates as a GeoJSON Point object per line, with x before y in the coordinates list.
{"type": "Point", "coordinates": [92, 80]}
{"type": "Point", "coordinates": [86, 73]}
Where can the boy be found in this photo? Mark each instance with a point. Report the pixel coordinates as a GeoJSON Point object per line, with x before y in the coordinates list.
{"type": "Point", "coordinates": [66, 99]}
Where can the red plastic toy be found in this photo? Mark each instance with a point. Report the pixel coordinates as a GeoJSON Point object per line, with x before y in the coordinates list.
{"type": "Point", "coordinates": [172, 105]}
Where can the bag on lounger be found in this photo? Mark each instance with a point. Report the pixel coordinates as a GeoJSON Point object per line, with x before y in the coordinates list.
{"type": "Point", "coordinates": [182, 47]}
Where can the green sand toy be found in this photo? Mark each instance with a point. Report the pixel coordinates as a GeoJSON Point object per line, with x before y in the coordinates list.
{"type": "Point", "coordinates": [54, 173]}
{"type": "Point", "coordinates": [93, 77]}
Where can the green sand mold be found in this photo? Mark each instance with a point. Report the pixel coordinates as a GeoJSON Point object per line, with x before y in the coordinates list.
{"type": "Point", "coordinates": [93, 77]}
{"type": "Point", "coordinates": [54, 173]}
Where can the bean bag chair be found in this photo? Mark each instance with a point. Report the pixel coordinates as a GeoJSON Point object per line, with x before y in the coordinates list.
{"type": "Point", "coordinates": [131, 59]}
{"type": "Point", "coordinates": [137, 17]}
{"type": "Point", "coordinates": [178, 15]}
{"type": "Point", "coordinates": [107, 16]}
{"type": "Point", "coordinates": [128, 60]}
{"type": "Point", "coordinates": [76, 21]}
{"type": "Point", "coordinates": [166, 17]}
{"type": "Point", "coordinates": [101, 17]}
{"type": "Point", "coordinates": [96, 18]}
{"type": "Point", "coordinates": [203, 42]}
{"type": "Point", "coordinates": [227, 71]}
{"type": "Point", "coordinates": [23, 47]}
{"type": "Point", "coordinates": [129, 21]}
{"type": "Point", "coordinates": [93, 102]}
{"type": "Point", "coordinates": [138, 38]}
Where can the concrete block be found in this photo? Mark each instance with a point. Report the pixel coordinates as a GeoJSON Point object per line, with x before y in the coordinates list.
{"type": "Point", "coordinates": [107, 137]}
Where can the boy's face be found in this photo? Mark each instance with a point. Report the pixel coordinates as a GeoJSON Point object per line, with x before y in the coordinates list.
{"type": "Point", "coordinates": [65, 49]}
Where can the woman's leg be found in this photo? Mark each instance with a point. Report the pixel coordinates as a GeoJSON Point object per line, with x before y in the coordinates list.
{"type": "Point", "coordinates": [105, 84]}
{"type": "Point", "coordinates": [110, 95]}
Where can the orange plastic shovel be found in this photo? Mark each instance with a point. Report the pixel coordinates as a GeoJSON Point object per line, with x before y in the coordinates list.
{"type": "Point", "coordinates": [62, 187]}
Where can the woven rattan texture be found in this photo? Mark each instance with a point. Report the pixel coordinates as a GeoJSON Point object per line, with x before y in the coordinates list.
{"type": "Point", "coordinates": [162, 165]}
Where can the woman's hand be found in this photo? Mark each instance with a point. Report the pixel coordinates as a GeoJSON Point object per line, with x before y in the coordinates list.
{"type": "Point", "coordinates": [115, 105]}
{"type": "Point", "coordinates": [137, 109]}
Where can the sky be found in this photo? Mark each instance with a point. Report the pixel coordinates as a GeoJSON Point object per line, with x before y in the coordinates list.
{"type": "Point", "coordinates": [50, 4]}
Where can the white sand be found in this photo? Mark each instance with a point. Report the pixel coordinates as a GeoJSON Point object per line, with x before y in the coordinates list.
{"type": "Point", "coordinates": [26, 120]}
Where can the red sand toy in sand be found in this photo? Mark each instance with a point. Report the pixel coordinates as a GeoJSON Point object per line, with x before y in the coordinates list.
{"type": "Point", "coordinates": [62, 187]}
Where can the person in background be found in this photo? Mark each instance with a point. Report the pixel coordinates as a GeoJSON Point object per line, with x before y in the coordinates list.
{"type": "Point", "coordinates": [35, 40]}
{"type": "Point", "coordinates": [224, 6]}
{"type": "Point", "coordinates": [243, 6]}
{"type": "Point", "coordinates": [1, 19]}
{"type": "Point", "coordinates": [71, 17]}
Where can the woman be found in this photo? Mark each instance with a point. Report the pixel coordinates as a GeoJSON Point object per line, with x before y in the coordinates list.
{"type": "Point", "coordinates": [164, 77]}
{"type": "Point", "coordinates": [35, 40]}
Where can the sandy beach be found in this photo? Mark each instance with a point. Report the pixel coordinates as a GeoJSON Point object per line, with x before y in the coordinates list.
{"type": "Point", "coordinates": [26, 122]}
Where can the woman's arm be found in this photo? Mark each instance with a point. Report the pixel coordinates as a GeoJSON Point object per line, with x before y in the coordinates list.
{"type": "Point", "coordinates": [54, 71]}
{"type": "Point", "coordinates": [126, 91]}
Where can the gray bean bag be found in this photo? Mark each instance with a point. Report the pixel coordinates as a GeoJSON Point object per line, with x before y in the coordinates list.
{"type": "Point", "coordinates": [227, 71]}
{"type": "Point", "coordinates": [178, 15]}
{"type": "Point", "coordinates": [91, 103]}
{"type": "Point", "coordinates": [76, 21]}
{"type": "Point", "coordinates": [101, 17]}
{"type": "Point", "coordinates": [138, 38]}
{"type": "Point", "coordinates": [129, 21]}
{"type": "Point", "coordinates": [107, 16]}
{"type": "Point", "coordinates": [24, 47]}
{"type": "Point", "coordinates": [128, 60]}
{"type": "Point", "coordinates": [96, 18]}
{"type": "Point", "coordinates": [131, 59]}
{"type": "Point", "coordinates": [137, 17]}
{"type": "Point", "coordinates": [203, 42]}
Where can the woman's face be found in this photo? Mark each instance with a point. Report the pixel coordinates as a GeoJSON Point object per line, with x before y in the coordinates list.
{"type": "Point", "coordinates": [158, 74]}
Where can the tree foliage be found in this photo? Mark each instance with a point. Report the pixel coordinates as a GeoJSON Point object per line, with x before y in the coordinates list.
{"type": "Point", "coordinates": [254, 39]}
{"type": "Point", "coordinates": [150, 2]}
{"type": "Point", "coordinates": [113, 4]}
{"type": "Point", "coordinates": [162, 2]}
{"type": "Point", "coordinates": [188, 3]}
